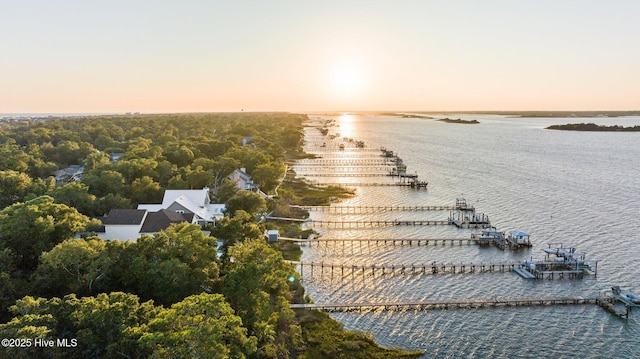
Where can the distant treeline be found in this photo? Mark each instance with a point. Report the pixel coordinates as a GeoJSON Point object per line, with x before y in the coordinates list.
{"type": "Point", "coordinates": [525, 113]}
{"type": "Point", "coordinates": [593, 127]}
{"type": "Point", "coordinates": [450, 120]}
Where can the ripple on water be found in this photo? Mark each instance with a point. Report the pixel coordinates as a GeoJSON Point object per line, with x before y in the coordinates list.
{"type": "Point", "coordinates": [555, 185]}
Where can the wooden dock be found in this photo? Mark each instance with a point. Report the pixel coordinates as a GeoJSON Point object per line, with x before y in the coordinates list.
{"type": "Point", "coordinates": [343, 174]}
{"type": "Point", "coordinates": [346, 162]}
{"type": "Point", "coordinates": [422, 268]}
{"type": "Point", "coordinates": [382, 223]}
{"type": "Point", "coordinates": [375, 224]}
{"type": "Point", "coordinates": [610, 305]}
{"type": "Point", "coordinates": [447, 304]}
{"type": "Point", "coordinates": [376, 209]}
{"type": "Point", "coordinates": [365, 184]}
{"type": "Point", "coordinates": [384, 241]}
{"type": "Point", "coordinates": [344, 168]}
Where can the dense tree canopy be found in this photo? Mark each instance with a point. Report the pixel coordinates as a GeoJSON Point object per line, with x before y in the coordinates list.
{"type": "Point", "coordinates": [200, 326]}
{"type": "Point", "coordinates": [257, 286]}
{"type": "Point", "coordinates": [108, 325]}
{"type": "Point", "coordinates": [176, 151]}
{"type": "Point", "coordinates": [166, 295]}
{"type": "Point", "coordinates": [36, 226]}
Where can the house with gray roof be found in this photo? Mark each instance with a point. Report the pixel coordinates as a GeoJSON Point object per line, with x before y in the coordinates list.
{"type": "Point", "coordinates": [178, 206]}
{"type": "Point", "coordinates": [243, 180]}
{"type": "Point", "coordinates": [189, 201]}
{"type": "Point", "coordinates": [130, 224]}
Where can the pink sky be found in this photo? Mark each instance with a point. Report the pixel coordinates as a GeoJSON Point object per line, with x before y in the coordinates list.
{"type": "Point", "coordinates": [78, 56]}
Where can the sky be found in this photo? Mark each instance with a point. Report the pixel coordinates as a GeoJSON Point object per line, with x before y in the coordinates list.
{"type": "Point", "coordinates": [303, 56]}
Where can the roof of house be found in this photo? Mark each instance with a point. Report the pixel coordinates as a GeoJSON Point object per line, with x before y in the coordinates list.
{"type": "Point", "coordinates": [199, 197]}
{"type": "Point", "coordinates": [158, 221]}
{"type": "Point", "coordinates": [124, 216]}
{"type": "Point", "coordinates": [240, 173]}
{"type": "Point", "coordinates": [196, 201]}
{"type": "Point", "coordinates": [73, 170]}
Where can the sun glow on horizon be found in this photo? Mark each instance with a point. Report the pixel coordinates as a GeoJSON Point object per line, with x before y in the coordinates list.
{"type": "Point", "coordinates": [347, 80]}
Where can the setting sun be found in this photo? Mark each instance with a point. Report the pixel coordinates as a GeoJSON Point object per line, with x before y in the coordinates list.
{"type": "Point", "coordinates": [347, 80]}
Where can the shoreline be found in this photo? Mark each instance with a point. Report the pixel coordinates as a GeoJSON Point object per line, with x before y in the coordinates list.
{"type": "Point", "coordinates": [329, 335]}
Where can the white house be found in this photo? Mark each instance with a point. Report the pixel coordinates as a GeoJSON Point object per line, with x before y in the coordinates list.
{"type": "Point", "coordinates": [130, 224]}
{"type": "Point", "coordinates": [190, 206]}
{"type": "Point", "coordinates": [189, 201]}
{"type": "Point", "coordinates": [123, 224]}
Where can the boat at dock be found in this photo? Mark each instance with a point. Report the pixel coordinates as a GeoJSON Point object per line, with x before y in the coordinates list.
{"type": "Point", "coordinates": [490, 236]}
{"type": "Point", "coordinates": [625, 295]}
{"type": "Point", "coordinates": [518, 239]}
{"type": "Point", "coordinates": [567, 262]}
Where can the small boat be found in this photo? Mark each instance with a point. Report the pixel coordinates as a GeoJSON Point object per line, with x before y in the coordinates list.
{"type": "Point", "coordinates": [625, 294]}
{"type": "Point", "coordinates": [519, 238]}
{"type": "Point", "coordinates": [561, 252]}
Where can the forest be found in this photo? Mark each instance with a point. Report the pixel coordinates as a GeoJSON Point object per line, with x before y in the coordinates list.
{"type": "Point", "coordinates": [593, 127]}
{"type": "Point", "coordinates": [170, 294]}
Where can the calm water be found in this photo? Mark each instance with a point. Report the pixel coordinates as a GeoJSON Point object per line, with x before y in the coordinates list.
{"type": "Point", "coordinates": [576, 188]}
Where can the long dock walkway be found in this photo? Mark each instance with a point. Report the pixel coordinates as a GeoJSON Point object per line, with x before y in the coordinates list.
{"type": "Point", "coordinates": [346, 162]}
{"type": "Point", "coordinates": [375, 209]}
{"type": "Point", "coordinates": [447, 304]}
{"type": "Point", "coordinates": [344, 168]}
{"type": "Point", "coordinates": [343, 174]}
{"type": "Point", "coordinates": [421, 268]}
{"type": "Point", "coordinates": [385, 241]}
{"type": "Point", "coordinates": [383, 223]}
{"type": "Point", "coordinates": [365, 184]}
{"type": "Point", "coordinates": [374, 223]}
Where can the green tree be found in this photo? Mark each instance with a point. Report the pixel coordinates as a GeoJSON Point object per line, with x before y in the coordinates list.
{"type": "Point", "coordinates": [10, 285]}
{"type": "Point", "coordinates": [200, 326]}
{"type": "Point", "coordinates": [105, 204]}
{"type": "Point", "coordinates": [14, 187]}
{"type": "Point", "coordinates": [102, 183]}
{"type": "Point", "coordinates": [165, 171]}
{"type": "Point", "coordinates": [247, 201]}
{"type": "Point", "coordinates": [12, 157]}
{"type": "Point", "coordinates": [108, 325]}
{"type": "Point", "coordinates": [36, 226]}
{"type": "Point", "coordinates": [75, 194]}
{"type": "Point", "coordinates": [268, 175]}
{"type": "Point", "coordinates": [141, 147]}
{"type": "Point", "coordinates": [225, 191]}
{"type": "Point", "coordinates": [198, 177]}
{"type": "Point", "coordinates": [73, 266]}
{"type": "Point", "coordinates": [181, 156]}
{"type": "Point", "coordinates": [256, 284]}
{"type": "Point", "coordinates": [236, 229]}
{"type": "Point", "coordinates": [223, 168]}
{"type": "Point", "coordinates": [146, 190]}
{"type": "Point", "coordinates": [177, 182]}
{"type": "Point", "coordinates": [136, 168]}
{"type": "Point", "coordinates": [70, 152]}
{"type": "Point", "coordinates": [169, 265]}
{"type": "Point", "coordinates": [111, 325]}
{"type": "Point", "coordinates": [96, 160]}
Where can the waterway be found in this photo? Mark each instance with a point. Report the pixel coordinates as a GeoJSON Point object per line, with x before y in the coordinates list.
{"type": "Point", "coordinates": [580, 189]}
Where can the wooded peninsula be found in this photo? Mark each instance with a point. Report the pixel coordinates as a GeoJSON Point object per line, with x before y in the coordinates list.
{"type": "Point", "coordinates": [593, 127]}
{"type": "Point", "coordinates": [450, 120]}
{"type": "Point", "coordinates": [201, 287]}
